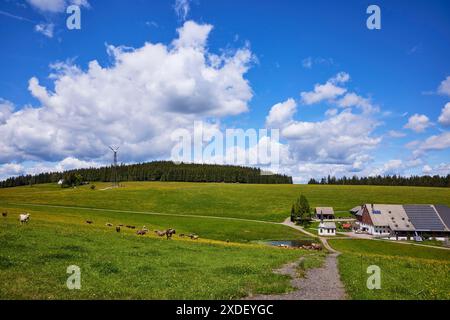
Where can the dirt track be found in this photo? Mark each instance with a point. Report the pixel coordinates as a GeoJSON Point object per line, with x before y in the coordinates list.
{"type": "Point", "coordinates": [318, 284]}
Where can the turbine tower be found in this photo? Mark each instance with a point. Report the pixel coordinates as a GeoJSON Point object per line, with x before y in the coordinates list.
{"type": "Point", "coordinates": [114, 150]}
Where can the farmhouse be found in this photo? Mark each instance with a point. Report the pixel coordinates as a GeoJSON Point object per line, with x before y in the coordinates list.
{"type": "Point", "coordinates": [325, 213]}
{"type": "Point", "coordinates": [327, 229]}
{"type": "Point", "coordinates": [403, 222]}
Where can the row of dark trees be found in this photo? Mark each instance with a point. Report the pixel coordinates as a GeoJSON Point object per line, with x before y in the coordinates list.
{"type": "Point", "coordinates": [419, 181]}
{"type": "Point", "coordinates": [156, 171]}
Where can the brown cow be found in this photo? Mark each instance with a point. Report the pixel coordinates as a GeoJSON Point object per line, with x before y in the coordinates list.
{"type": "Point", "coordinates": [141, 232]}
{"type": "Point", "coordinates": [193, 236]}
{"type": "Point", "coordinates": [160, 233]}
{"type": "Point", "coordinates": [170, 233]}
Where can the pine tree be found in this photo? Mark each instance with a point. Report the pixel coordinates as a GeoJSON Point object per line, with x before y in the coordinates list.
{"type": "Point", "coordinates": [293, 214]}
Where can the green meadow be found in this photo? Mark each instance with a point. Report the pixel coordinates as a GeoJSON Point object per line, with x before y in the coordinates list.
{"type": "Point", "coordinates": [226, 262]}
{"type": "Point", "coordinates": [408, 272]}
{"type": "Point", "coordinates": [259, 202]}
{"type": "Point", "coordinates": [34, 259]}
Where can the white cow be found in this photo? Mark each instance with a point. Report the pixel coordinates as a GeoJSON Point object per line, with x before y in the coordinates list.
{"type": "Point", "coordinates": [24, 218]}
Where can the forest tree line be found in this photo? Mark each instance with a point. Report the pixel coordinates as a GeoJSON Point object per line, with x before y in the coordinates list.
{"type": "Point", "coordinates": [155, 171]}
{"type": "Point", "coordinates": [395, 180]}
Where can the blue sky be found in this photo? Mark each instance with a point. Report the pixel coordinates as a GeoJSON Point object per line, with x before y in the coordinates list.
{"type": "Point", "coordinates": [385, 113]}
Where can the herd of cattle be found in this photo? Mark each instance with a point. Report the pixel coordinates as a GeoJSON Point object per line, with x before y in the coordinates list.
{"type": "Point", "coordinates": [143, 231]}
{"type": "Point", "coordinates": [25, 218]}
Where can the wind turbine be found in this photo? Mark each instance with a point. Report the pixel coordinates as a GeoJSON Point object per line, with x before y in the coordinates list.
{"type": "Point", "coordinates": [114, 150]}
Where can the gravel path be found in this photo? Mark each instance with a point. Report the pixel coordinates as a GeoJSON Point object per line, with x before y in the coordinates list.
{"type": "Point", "coordinates": [322, 283]}
{"type": "Point", "coordinates": [318, 284]}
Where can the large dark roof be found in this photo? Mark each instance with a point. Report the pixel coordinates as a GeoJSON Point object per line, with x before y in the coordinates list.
{"type": "Point", "coordinates": [424, 218]}
{"type": "Point", "coordinates": [444, 213]}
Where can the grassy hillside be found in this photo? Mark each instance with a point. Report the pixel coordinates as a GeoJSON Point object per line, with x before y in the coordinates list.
{"type": "Point", "coordinates": [205, 227]}
{"type": "Point", "coordinates": [226, 262]}
{"type": "Point", "coordinates": [407, 271]}
{"type": "Point", "coordinates": [34, 259]}
{"type": "Point", "coordinates": [259, 202]}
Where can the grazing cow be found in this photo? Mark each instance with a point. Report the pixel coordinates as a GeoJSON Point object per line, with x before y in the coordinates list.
{"type": "Point", "coordinates": [141, 232]}
{"type": "Point", "coordinates": [193, 236]}
{"type": "Point", "coordinates": [5, 214]}
{"type": "Point", "coordinates": [89, 222]}
{"type": "Point", "coordinates": [117, 229]}
{"type": "Point", "coordinates": [131, 227]}
{"type": "Point", "coordinates": [109, 225]}
{"type": "Point", "coordinates": [160, 233]}
{"type": "Point", "coordinates": [170, 233]}
{"type": "Point", "coordinates": [24, 218]}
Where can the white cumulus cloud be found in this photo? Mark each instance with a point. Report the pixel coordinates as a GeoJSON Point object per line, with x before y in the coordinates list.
{"type": "Point", "coordinates": [391, 167]}
{"type": "Point", "coordinates": [45, 28]}
{"type": "Point", "coordinates": [281, 113]}
{"type": "Point", "coordinates": [418, 123]}
{"type": "Point", "coordinates": [6, 110]}
{"type": "Point", "coordinates": [10, 169]}
{"type": "Point", "coordinates": [444, 87]}
{"type": "Point", "coordinates": [351, 99]}
{"type": "Point", "coordinates": [56, 6]}
{"type": "Point", "coordinates": [444, 118]}
{"type": "Point", "coordinates": [182, 8]}
{"type": "Point", "coordinates": [327, 91]}
{"type": "Point", "coordinates": [136, 103]}
{"type": "Point", "coordinates": [432, 143]}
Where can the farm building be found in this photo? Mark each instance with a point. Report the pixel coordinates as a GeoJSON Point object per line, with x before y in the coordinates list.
{"type": "Point", "coordinates": [402, 222]}
{"type": "Point", "coordinates": [325, 213]}
{"type": "Point", "coordinates": [327, 229]}
{"type": "Point", "coordinates": [357, 211]}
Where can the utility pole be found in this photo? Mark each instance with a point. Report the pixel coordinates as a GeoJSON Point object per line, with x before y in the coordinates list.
{"type": "Point", "coordinates": [114, 167]}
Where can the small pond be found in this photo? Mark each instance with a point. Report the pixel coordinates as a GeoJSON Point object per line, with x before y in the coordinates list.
{"type": "Point", "coordinates": [289, 243]}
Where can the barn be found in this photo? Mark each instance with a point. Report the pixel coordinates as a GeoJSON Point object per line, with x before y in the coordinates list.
{"type": "Point", "coordinates": [324, 213]}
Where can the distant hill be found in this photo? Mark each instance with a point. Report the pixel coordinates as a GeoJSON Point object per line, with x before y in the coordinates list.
{"type": "Point", "coordinates": [156, 171]}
